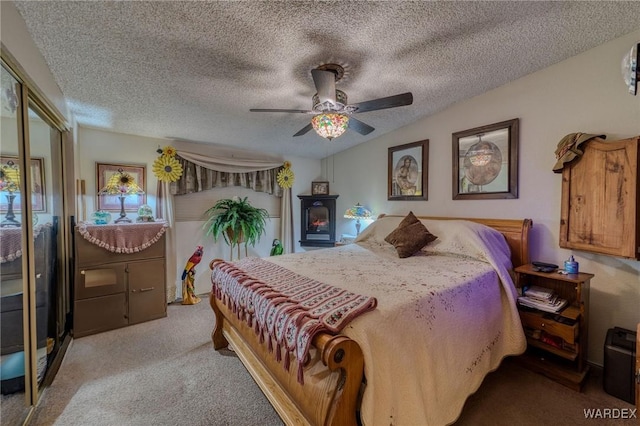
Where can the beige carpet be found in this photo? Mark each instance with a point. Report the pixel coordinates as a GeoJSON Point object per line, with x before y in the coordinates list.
{"type": "Point", "coordinates": [165, 372]}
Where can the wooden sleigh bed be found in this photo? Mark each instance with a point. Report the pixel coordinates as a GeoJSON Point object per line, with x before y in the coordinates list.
{"type": "Point", "coordinates": [334, 379]}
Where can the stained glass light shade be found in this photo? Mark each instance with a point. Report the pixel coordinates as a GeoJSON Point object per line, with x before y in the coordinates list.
{"type": "Point", "coordinates": [121, 184]}
{"type": "Point", "coordinates": [10, 183]}
{"type": "Point", "coordinates": [330, 125]}
{"type": "Point", "coordinates": [358, 212]}
{"type": "Point", "coordinates": [9, 177]}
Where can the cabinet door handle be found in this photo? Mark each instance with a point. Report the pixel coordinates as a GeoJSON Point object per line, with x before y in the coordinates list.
{"type": "Point", "coordinates": [82, 272]}
{"type": "Point", "coordinates": [142, 290]}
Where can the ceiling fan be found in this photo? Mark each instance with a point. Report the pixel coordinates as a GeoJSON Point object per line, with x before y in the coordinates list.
{"type": "Point", "coordinates": [332, 115]}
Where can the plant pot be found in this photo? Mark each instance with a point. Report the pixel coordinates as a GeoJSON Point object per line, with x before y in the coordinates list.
{"type": "Point", "coordinates": [231, 234]}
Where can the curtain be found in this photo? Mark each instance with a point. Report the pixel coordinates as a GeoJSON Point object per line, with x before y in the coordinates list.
{"type": "Point", "coordinates": [196, 177]}
{"type": "Point", "coordinates": [165, 211]}
{"type": "Point", "coordinates": [286, 222]}
{"type": "Point", "coordinates": [203, 172]}
{"type": "Point", "coordinates": [232, 164]}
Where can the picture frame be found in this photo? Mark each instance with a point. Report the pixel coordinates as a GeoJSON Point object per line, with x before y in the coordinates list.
{"type": "Point", "coordinates": [38, 188]}
{"type": "Point", "coordinates": [320, 188]}
{"type": "Point", "coordinates": [486, 168]}
{"type": "Point", "coordinates": [111, 202]}
{"type": "Point", "coordinates": [408, 171]}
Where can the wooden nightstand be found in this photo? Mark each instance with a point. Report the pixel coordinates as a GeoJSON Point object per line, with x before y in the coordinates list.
{"type": "Point", "coordinates": [565, 360]}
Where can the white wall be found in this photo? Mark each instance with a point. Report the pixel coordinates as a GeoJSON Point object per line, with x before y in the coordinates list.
{"type": "Point", "coordinates": [17, 40]}
{"type": "Point", "coordinates": [585, 93]}
{"type": "Point", "coordinates": [108, 147]}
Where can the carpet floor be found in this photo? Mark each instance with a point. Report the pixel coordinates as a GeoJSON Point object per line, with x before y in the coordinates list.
{"type": "Point", "coordinates": [166, 372]}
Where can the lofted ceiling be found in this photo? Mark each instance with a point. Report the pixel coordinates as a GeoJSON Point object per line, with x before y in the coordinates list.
{"type": "Point", "coordinates": [192, 70]}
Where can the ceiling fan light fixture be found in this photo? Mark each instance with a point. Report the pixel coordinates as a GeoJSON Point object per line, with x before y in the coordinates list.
{"type": "Point", "coordinates": [330, 125]}
{"type": "Point", "coordinates": [338, 106]}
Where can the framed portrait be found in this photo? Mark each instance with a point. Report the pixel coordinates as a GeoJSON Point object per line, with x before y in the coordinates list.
{"type": "Point", "coordinates": [112, 202]}
{"type": "Point", "coordinates": [408, 170]}
{"type": "Point", "coordinates": [38, 195]}
{"type": "Point", "coordinates": [485, 162]}
{"type": "Point", "coordinates": [320, 188]}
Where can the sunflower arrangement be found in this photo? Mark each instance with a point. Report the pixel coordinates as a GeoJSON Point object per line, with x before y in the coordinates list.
{"type": "Point", "coordinates": [285, 176]}
{"type": "Point", "coordinates": [166, 167]}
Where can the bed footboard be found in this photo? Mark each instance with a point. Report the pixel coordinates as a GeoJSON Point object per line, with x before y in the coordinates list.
{"type": "Point", "coordinates": [333, 376]}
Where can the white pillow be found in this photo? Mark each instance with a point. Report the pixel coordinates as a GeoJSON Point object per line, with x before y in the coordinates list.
{"type": "Point", "coordinates": [379, 229]}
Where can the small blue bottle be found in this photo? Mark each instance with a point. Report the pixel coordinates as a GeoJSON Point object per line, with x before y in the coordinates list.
{"type": "Point", "coordinates": [571, 266]}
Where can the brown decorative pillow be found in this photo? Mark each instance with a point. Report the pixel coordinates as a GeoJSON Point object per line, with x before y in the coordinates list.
{"type": "Point", "coordinates": [410, 236]}
{"type": "Point", "coordinates": [408, 220]}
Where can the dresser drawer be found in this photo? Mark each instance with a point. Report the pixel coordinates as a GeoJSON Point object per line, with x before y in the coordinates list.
{"type": "Point", "coordinates": [147, 295]}
{"type": "Point", "coordinates": [99, 314]}
{"type": "Point", "coordinates": [88, 254]}
{"type": "Point", "coordinates": [100, 281]}
{"type": "Point", "coordinates": [569, 333]}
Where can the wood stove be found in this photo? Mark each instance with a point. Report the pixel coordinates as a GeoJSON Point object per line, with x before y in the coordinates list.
{"type": "Point", "coordinates": [318, 220]}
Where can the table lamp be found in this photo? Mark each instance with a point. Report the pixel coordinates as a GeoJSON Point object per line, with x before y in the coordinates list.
{"type": "Point", "coordinates": [10, 184]}
{"type": "Point", "coordinates": [357, 212]}
{"type": "Point", "coordinates": [121, 184]}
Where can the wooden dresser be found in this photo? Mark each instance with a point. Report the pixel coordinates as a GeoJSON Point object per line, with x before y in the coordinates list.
{"type": "Point", "coordinates": [117, 289]}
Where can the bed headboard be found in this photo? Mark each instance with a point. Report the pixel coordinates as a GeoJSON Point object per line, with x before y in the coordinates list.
{"type": "Point", "coordinates": [515, 231]}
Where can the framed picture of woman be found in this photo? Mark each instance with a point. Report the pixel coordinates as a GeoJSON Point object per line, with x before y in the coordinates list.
{"type": "Point", "coordinates": [408, 171]}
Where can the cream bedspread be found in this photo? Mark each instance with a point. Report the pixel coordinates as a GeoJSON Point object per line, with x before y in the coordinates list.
{"type": "Point", "coordinates": [445, 318]}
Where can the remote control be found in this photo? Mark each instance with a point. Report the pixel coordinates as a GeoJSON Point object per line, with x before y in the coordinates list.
{"type": "Point", "coordinates": [544, 265]}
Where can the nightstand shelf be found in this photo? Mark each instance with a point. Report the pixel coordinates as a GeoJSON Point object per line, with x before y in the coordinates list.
{"type": "Point", "coordinates": [563, 359]}
{"type": "Point", "coordinates": [570, 355]}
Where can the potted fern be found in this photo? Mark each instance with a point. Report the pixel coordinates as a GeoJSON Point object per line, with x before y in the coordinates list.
{"type": "Point", "coordinates": [237, 221]}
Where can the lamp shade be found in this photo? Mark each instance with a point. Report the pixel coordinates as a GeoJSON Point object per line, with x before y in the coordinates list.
{"type": "Point", "coordinates": [330, 124]}
{"type": "Point", "coordinates": [357, 212]}
{"type": "Point", "coordinates": [9, 177]}
{"type": "Point", "coordinates": [121, 183]}
{"type": "Point", "coordinates": [10, 183]}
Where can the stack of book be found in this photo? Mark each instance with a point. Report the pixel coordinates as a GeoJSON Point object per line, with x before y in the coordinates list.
{"type": "Point", "coordinates": [542, 299]}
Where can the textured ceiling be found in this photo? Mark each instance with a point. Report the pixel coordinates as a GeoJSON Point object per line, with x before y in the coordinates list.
{"type": "Point", "coordinates": [191, 70]}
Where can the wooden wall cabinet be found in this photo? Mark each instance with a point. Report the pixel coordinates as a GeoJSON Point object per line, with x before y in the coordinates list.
{"type": "Point", "coordinates": [600, 199]}
{"type": "Point", "coordinates": [114, 290]}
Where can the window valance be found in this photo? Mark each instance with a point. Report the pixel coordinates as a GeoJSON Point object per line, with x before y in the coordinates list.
{"type": "Point", "coordinates": [201, 173]}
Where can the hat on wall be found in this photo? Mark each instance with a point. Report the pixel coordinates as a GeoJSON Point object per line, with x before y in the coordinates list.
{"type": "Point", "coordinates": [568, 148]}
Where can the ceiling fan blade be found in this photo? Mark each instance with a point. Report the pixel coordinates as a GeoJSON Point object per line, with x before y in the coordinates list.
{"type": "Point", "coordinates": [325, 82]}
{"type": "Point", "coordinates": [359, 126]}
{"type": "Point", "coordinates": [383, 103]}
{"type": "Point", "coordinates": [301, 111]}
{"type": "Point", "coordinates": [304, 130]}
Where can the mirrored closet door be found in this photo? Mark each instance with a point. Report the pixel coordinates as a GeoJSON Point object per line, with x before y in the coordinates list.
{"type": "Point", "coordinates": [34, 281]}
